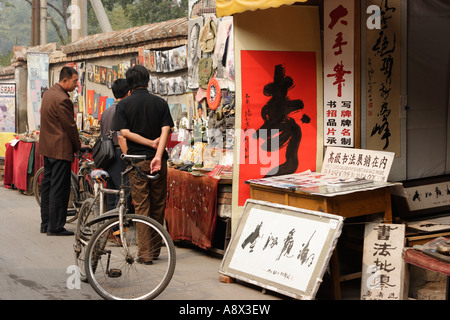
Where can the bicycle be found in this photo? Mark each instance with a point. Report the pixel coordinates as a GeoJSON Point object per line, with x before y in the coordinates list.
{"type": "Point", "coordinates": [112, 265]}
{"type": "Point", "coordinates": [81, 185]}
{"type": "Point", "coordinates": [90, 209]}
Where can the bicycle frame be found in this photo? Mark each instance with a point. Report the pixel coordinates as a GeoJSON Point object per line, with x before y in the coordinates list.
{"type": "Point", "coordinates": [100, 191]}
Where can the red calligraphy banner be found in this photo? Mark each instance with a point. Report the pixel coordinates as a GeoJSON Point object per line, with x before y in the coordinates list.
{"type": "Point", "coordinates": [279, 115]}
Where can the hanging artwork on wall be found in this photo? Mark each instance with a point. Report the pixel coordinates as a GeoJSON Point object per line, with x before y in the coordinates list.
{"type": "Point", "coordinates": [339, 104]}
{"type": "Point", "coordinates": [194, 55]}
{"type": "Point", "coordinates": [7, 107]}
{"type": "Point", "coordinates": [38, 82]}
{"type": "Point", "coordinates": [213, 94]}
{"type": "Point", "coordinates": [384, 83]}
{"type": "Point", "coordinates": [90, 101]}
{"type": "Point", "coordinates": [90, 72]}
{"type": "Point", "coordinates": [96, 105]}
{"type": "Point", "coordinates": [279, 114]}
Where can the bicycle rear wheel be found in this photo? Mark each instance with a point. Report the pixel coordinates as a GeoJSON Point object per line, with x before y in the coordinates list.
{"type": "Point", "coordinates": [117, 272]}
{"type": "Point", "coordinates": [71, 209]}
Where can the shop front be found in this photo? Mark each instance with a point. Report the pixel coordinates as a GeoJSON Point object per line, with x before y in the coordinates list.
{"type": "Point", "coordinates": [264, 94]}
{"type": "Point", "coordinates": [337, 78]}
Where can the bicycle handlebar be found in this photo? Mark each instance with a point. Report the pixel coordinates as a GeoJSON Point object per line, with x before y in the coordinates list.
{"type": "Point", "coordinates": [132, 159]}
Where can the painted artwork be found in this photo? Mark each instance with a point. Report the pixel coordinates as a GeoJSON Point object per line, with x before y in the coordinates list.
{"type": "Point", "coordinates": [90, 101]}
{"type": "Point", "coordinates": [279, 115]}
{"type": "Point", "coordinates": [101, 106]}
{"type": "Point", "coordinates": [194, 55]}
{"type": "Point", "coordinates": [7, 107]}
{"type": "Point", "coordinates": [38, 64]}
{"type": "Point", "coordinates": [96, 105]}
{"type": "Point", "coordinates": [282, 247]}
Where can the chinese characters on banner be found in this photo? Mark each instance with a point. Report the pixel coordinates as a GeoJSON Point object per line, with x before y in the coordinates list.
{"type": "Point", "coordinates": [383, 266]}
{"type": "Point", "coordinates": [7, 107]}
{"type": "Point", "coordinates": [38, 64]}
{"type": "Point", "coordinates": [428, 196]}
{"type": "Point", "coordinates": [357, 163]}
{"type": "Point", "coordinates": [339, 73]}
{"type": "Point", "coordinates": [384, 79]}
{"type": "Point", "coordinates": [279, 115]}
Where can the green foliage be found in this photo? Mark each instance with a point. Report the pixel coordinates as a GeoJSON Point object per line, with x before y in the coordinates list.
{"type": "Point", "coordinates": [5, 60]}
{"type": "Point", "coordinates": [142, 12]}
{"type": "Point", "coordinates": [15, 19]}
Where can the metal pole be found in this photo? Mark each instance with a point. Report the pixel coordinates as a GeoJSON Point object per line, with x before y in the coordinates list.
{"type": "Point", "coordinates": [35, 17]}
{"type": "Point", "coordinates": [43, 21]}
{"type": "Point", "coordinates": [79, 22]}
{"type": "Point", "coordinates": [103, 20]}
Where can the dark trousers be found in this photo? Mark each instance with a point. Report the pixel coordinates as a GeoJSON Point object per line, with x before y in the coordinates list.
{"type": "Point", "coordinates": [115, 169]}
{"type": "Point", "coordinates": [149, 198]}
{"type": "Point", "coordinates": [55, 193]}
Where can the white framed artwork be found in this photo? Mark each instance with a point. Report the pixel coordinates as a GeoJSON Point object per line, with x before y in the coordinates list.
{"type": "Point", "coordinates": [282, 248]}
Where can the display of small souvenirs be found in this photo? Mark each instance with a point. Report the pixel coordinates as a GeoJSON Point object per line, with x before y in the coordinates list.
{"type": "Point", "coordinates": [198, 152]}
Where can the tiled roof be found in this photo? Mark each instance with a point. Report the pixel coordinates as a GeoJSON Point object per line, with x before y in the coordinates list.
{"type": "Point", "coordinates": [137, 36]}
{"type": "Point", "coordinates": [7, 72]}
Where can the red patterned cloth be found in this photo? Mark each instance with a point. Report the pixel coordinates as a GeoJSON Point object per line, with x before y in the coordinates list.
{"type": "Point", "coordinates": [191, 207]}
{"type": "Point", "coordinates": [9, 166]}
{"type": "Point", "coordinates": [17, 159]}
{"type": "Point", "coordinates": [424, 261]}
{"type": "Point", "coordinates": [16, 165]}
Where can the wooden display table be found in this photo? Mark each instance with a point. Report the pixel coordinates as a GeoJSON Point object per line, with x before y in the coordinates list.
{"type": "Point", "coordinates": [359, 202]}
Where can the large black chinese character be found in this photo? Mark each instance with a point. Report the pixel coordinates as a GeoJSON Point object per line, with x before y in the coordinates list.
{"type": "Point", "coordinates": [275, 114]}
{"type": "Point", "coordinates": [252, 237]}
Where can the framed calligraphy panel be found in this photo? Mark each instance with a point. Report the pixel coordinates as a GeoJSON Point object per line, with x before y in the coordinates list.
{"type": "Point", "coordinates": [383, 266]}
{"type": "Point", "coordinates": [263, 51]}
{"type": "Point", "coordinates": [279, 114]}
{"type": "Point", "coordinates": [282, 248]}
{"type": "Point", "coordinates": [384, 79]}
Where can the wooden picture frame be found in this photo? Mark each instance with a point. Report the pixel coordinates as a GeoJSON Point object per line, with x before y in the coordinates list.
{"type": "Point", "coordinates": [282, 248]}
{"type": "Point", "coordinates": [422, 197]}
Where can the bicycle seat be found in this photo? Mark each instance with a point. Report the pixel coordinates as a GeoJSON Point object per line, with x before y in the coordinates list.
{"type": "Point", "coordinates": [85, 149]}
{"type": "Point", "coordinates": [99, 175]}
{"type": "Point", "coordinates": [133, 158]}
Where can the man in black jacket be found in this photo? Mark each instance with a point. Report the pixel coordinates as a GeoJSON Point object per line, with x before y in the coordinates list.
{"type": "Point", "coordinates": [142, 119]}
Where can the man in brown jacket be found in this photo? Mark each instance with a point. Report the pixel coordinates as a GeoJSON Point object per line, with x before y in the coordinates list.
{"type": "Point", "coordinates": [58, 141]}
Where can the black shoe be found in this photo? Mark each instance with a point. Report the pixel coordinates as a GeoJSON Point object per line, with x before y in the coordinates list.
{"type": "Point", "coordinates": [63, 232]}
{"type": "Point", "coordinates": [147, 263]}
{"type": "Point", "coordinates": [43, 230]}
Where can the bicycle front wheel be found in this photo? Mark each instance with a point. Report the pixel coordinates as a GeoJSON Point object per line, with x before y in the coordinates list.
{"type": "Point", "coordinates": [120, 271]}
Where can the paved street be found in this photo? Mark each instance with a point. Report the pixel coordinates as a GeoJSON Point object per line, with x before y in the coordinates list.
{"type": "Point", "coordinates": [33, 266]}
